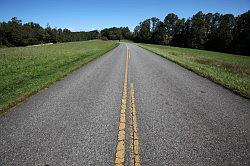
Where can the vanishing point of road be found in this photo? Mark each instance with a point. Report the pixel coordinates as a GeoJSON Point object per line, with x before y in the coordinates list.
{"type": "Point", "coordinates": [128, 107]}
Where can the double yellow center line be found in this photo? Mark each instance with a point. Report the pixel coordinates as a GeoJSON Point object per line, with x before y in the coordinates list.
{"type": "Point", "coordinates": [134, 143]}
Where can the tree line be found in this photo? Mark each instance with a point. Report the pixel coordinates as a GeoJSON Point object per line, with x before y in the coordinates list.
{"type": "Point", "coordinates": [217, 32]}
{"type": "Point", "coordinates": [115, 33]}
{"type": "Point", "coordinates": [211, 31]}
{"type": "Point", "coordinates": [14, 33]}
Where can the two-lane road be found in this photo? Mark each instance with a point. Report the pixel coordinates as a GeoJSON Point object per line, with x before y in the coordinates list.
{"type": "Point", "coordinates": [128, 106]}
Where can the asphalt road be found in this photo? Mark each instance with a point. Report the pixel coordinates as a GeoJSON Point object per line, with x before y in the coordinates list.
{"type": "Point", "coordinates": [181, 118]}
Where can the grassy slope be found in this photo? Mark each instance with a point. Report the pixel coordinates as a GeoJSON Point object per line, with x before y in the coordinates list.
{"type": "Point", "coordinates": [26, 70]}
{"type": "Point", "coordinates": [231, 71]}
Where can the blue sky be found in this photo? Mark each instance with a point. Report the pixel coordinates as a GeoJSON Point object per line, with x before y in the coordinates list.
{"type": "Point", "coordinates": [78, 15]}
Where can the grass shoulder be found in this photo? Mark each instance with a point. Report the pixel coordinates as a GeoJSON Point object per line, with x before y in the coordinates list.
{"type": "Point", "coordinates": [26, 70]}
{"type": "Point", "coordinates": [228, 70]}
{"type": "Point", "coordinates": [126, 41]}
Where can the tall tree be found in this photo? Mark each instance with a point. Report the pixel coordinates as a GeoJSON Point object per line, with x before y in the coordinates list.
{"type": "Point", "coordinates": [241, 34]}
{"type": "Point", "coordinates": [178, 36]}
{"type": "Point", "coordinates": [170, 25]}
{"type": "Point", "coordinates": [145, 31]}
{"type": "Point", "coordinates": [154, 22]}
{"type": "Point", "coordinates": [198, 30]}
{"type": "Point", "coordinates": [159, 34]}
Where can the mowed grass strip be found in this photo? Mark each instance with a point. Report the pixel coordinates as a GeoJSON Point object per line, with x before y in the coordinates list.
{"type": "Point", "coordinates": [231, 71]}
{"type": "Point", "coordinates": [26, 70]}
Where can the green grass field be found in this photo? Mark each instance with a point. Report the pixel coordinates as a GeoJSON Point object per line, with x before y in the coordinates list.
{"type": "Point", "coordinates": [26, 70]}
{"type": "Point", "coordinates": [231, 71]}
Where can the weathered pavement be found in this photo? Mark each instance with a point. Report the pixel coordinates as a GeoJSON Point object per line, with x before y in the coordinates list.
{"type": "Point", "coordinates": [171, 116]}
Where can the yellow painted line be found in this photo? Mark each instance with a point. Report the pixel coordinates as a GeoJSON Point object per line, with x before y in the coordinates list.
{"type": "Point", "coordinates": [120, 148]}
{"type": "Point", "coordinates": [134, 143]}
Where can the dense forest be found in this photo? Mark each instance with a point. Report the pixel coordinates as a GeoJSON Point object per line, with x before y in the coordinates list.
{"type": "Point", "coordinates": [217, 32]}
{"type": "Point", "coordinates": [15, 33]}
{"type": "Point", "coordinates": [115, 33]}
{"type": "Point", "coordinates": [211, 31]}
